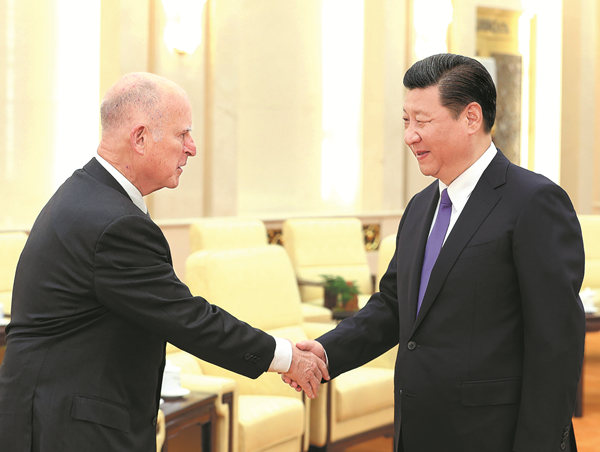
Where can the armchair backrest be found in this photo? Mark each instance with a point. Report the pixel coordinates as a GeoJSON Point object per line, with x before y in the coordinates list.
{"type": "Point", "coordinates": [257, 284]}
{"type": "Point", "coordinates": [227, 233]}
{"type": "Point", "coordinates": [387, 246]}
{"type": "Point", "coordinates": [590, 227]}
{"type": "Point", "coordinates": [327, 246]}
{"type": "Point", "coordinates": [11, 245]}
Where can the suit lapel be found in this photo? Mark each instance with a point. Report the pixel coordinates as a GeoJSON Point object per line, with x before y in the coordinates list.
{"type": "Point", "coordinates": [419, 232]}
{"type": "Point", "coordinates": [481, 202]}
{"type": "Point", "coordinates": [97, 171]}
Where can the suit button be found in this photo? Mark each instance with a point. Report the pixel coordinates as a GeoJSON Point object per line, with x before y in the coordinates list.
{"type": "Point", "coordinates": [563, 446]}
{"type": "Point", "coordinates": [154, 421]}
{"type": "Point", "coordinates": [247, 356]}
{"type": "Point", "coordinates": [411, 345]}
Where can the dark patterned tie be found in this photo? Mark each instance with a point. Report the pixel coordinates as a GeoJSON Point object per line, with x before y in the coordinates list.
{"type": "Point", "coordinates": [434, 242]}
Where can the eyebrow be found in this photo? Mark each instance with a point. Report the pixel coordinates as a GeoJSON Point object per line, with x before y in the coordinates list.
{"type": "Point", "coordinates": [417, 112]}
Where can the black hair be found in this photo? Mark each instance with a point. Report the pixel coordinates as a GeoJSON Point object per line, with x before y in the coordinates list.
{"type": "Point", "coordinates": [461, 80]}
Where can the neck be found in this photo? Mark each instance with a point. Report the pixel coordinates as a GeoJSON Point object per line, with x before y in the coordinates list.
{"type": "Point", "coordinates": [115, 158]}
{"type": "Point", "coordinates": [479, 145]}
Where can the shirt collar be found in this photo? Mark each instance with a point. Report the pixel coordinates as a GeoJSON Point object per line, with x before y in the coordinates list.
{"type": "Point", "coordinates": [461, 188]}
{"type": "Point", "coordinates": [132, 191]}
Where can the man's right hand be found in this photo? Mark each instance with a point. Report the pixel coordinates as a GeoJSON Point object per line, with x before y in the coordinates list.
{"type": "Point", "coordinates": [308, 368]}
{"type": "Point", "coordinates": [313, 347]}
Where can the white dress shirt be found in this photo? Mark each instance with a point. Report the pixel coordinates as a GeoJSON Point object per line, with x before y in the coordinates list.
{"type": "Point", "coordinates": [282, 358]}
{"type": "Point", "coordinates": [461, 188]}
{"type": "Point", "coordinates": [131, 189]}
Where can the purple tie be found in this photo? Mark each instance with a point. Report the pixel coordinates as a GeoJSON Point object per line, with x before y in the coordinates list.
{"type": "Point", "coordinates": [434, 242]}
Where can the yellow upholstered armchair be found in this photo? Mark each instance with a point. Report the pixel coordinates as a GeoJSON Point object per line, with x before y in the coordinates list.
{"type": "Point", "coordinates": [161, 430]}
{"type": "Point", "coordinates": [387, 246]}
{"type": "Point", "coordinates": [327, 246]}
{"type": "Point", "coordinates": [11, 245]}
{"type": "Point", "coordinates": [226, 233]}
{"type": "Point", "coordinates": [270, 415]}
{"type": "Point", "coordinates": [194, 379]}
{"type": "Point", "coordinates": [258, 285]}
{"type": "Point", "coordinates": [234, 233]}
{"type": "Point", "coordinates": [590, 227]}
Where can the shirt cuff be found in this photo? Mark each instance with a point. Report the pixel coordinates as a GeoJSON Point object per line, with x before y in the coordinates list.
{"type": "Point", "coordinates": [282, 360]}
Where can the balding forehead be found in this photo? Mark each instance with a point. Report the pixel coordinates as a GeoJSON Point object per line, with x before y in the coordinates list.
{"type": "Point", "coordinates": [138, 93]}
{"type": "Point", "coordinates": [135, 79]}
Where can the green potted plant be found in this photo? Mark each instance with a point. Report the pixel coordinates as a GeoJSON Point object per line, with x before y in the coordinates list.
{"type": "Point", "coordinates": [339, 293]}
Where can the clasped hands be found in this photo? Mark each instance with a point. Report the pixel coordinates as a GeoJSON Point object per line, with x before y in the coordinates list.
{"type": "Point", "coordinates": [308, 368]}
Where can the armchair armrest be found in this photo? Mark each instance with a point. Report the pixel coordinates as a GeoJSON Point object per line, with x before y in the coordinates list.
{"type": "Point", "coordinates": [316, 329]}
{"type": "Point", "coordinates": [310, 282]}
{"type": "Point", "coordinates": [225, 405]}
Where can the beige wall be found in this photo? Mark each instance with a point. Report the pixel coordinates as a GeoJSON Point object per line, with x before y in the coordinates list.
{"type": "Point", "coordinates": [385, 156]}
{"type": "Point", "coordinates": [263, 146]}
{"type": "Point", "coordinates": [27, 58]}
{"type": "Point", "coordinates": [255, 86]}
{"type": "Point", "coordinates": [580, 160]}
{"type": "Point", "coordinates": [261, 110]}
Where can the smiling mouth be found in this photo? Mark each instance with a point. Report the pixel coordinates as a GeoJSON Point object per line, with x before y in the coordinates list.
{"type": "Point", "coordinates": [421, 154]}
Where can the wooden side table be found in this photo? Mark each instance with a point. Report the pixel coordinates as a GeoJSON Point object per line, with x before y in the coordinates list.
{"type": "Point", "coordinates": [340, 314]}
{"type": "Point", "coordinates": [3, 323]}
{"type": "Point", "coordinates": [592, 324]}
{"type": "Point", "coordinates": [190, 423]}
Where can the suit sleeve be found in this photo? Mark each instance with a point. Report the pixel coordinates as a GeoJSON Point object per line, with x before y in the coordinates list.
{"type": "Point", "coordinates": [549, 260]}
{"type": "Point", "coordinates": [134, 278]}
{"type": "Point", "coordinates": [370, 332]}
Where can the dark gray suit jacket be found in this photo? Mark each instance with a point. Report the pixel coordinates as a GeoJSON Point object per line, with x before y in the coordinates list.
{"type": "Point", "coordinates": [492, 361]}
{"type": "Point", "coordinates": [94, 300]}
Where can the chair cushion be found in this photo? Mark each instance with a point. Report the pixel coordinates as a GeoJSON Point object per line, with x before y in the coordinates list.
{"type": "Point", "coordinates": [590, 227]}
{"type": "Point", "coordinates": [314, 313]}
{"type": "Point", "coordinates": [387, 246]}
{"type": "Point", "coordinates": [268, 420]}
{"type": "Point", "coordinates": [256, 284]}
{"type": "Point", "coordinates": [187, 363]}
{"type": "Point", "coordinates": [327, 246]}
{"type": "Point", "coordinates": [11, 245]}
{"type": "Point", "coordinates": [227, 233]}
{"type": "Point", "coordinates": [351, 398]}
{"type": "Point", "coordinates": [5, 302]}
{"type": "Point", "coordinates": [324, 241]}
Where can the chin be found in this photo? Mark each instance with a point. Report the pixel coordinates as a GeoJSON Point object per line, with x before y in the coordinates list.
{"type": "Point", "coordinates": [425, 171]}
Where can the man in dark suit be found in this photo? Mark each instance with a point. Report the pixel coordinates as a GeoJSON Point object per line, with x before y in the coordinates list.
{"type": "Point", "coordinates": [95, 296]}
{"type": "Point", "coordinates": [491, 332]}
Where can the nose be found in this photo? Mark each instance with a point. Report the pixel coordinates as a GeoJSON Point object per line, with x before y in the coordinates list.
{"type": "Point", "coordinates": [190, 146]}
{"type": "Point", "coordinates": [411, 136]}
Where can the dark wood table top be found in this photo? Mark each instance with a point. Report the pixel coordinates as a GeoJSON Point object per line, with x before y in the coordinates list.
{"type": "Point", "coordinates": [3, 331]}
{"type": "Point", "coordinates": [592, 322]}
{"type": "Point", "coordinates": [189, 402]}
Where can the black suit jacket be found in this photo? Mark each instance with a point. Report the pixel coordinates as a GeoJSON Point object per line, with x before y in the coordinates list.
{"type": "Point", "coordinates": [492, 361]}
{"type": "Point", "coordinates": [94, 300]}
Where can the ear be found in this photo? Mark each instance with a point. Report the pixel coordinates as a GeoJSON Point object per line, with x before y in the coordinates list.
{"type": "Point", "coordinates": [138, 138]}
{"type": "Point", "coordinates": [473, 117]}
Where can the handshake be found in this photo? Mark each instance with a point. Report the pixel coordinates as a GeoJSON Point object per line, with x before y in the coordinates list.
{"type": "Point", "coordinates": [308, 368]}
